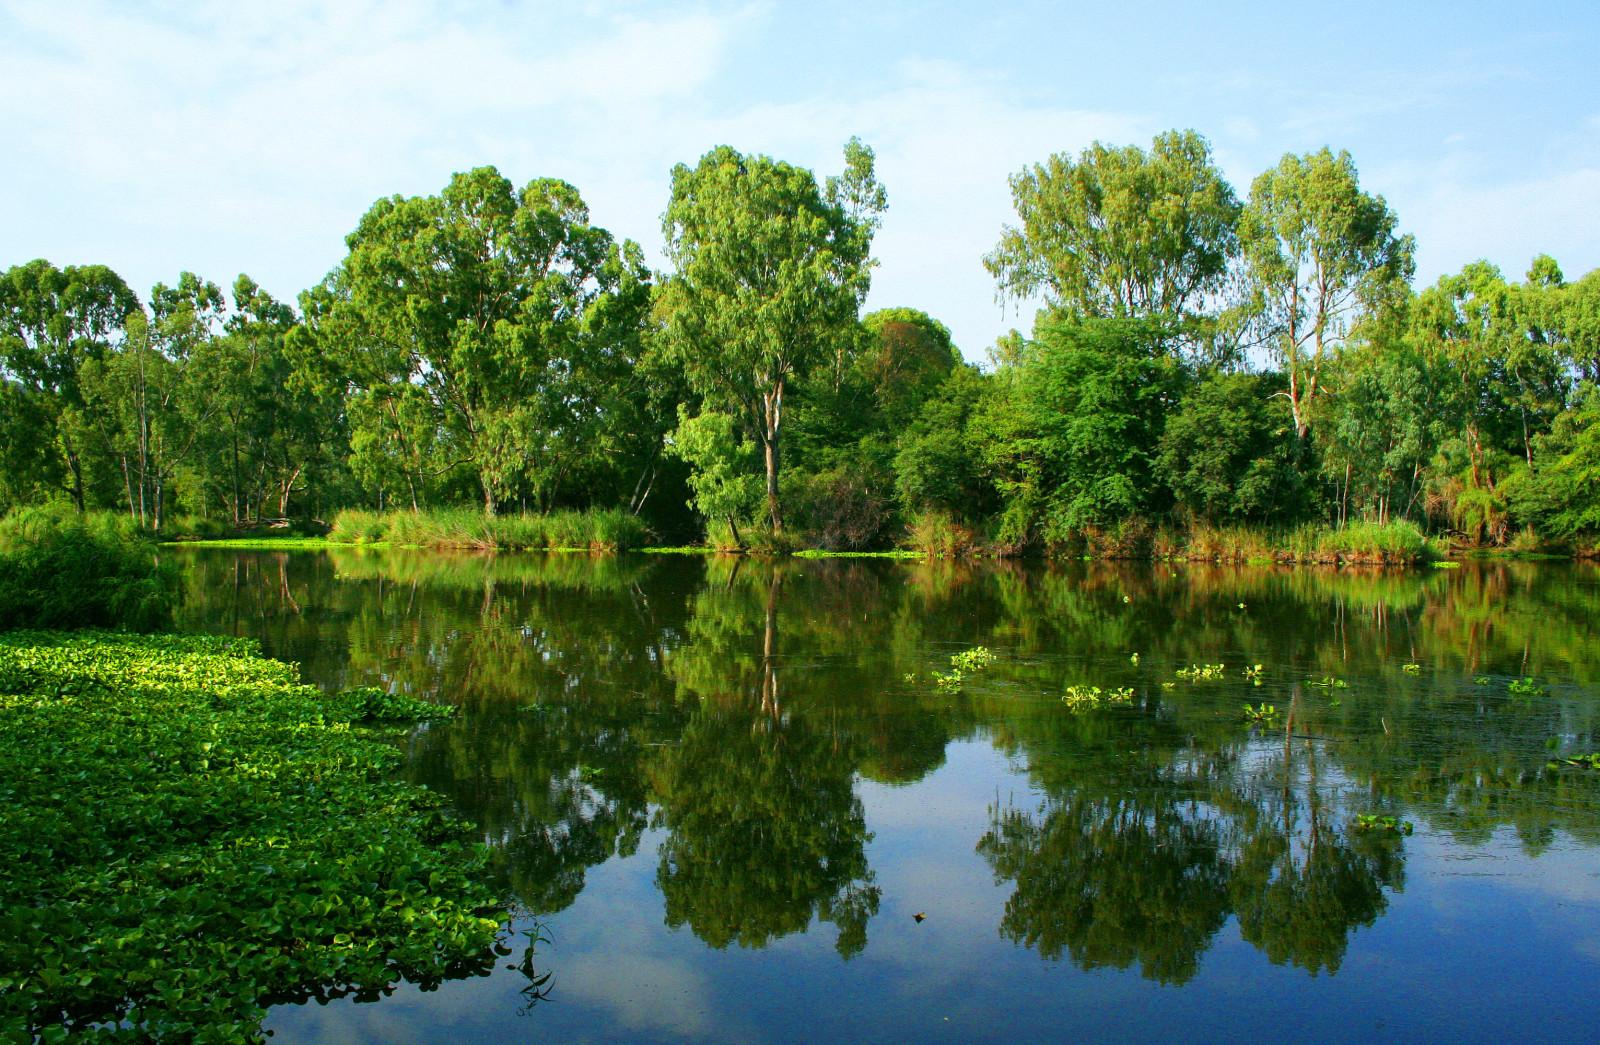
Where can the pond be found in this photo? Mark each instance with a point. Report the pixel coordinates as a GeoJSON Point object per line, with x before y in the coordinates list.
{"type": "Point", "coordinates": [732, 800]}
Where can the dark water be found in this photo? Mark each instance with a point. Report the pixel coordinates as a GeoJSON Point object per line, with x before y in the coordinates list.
{"type": "Point", "coordinates": [725, 790]}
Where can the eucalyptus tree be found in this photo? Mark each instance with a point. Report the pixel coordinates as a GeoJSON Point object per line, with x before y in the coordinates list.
{"type": "Point", "coordinates": [155, 401]}
{"type": "Point", "coordinates": [770, 273]}
{"type": "Point", "coordinates": [1120, 232]}
{"type": "Point", "coordinates": [1319, 254]}
{"type": "Point", "coordinates": [503, 313]}
{"type": "Point", "coordinates": [54, 322]}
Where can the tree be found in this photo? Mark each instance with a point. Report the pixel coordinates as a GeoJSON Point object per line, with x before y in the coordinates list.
{"type": "Point", "coordinates": [1229, 451]}
{"type": "Point", "coordinates": [1072, 444]}
{"type": "Point", "coordinates": [725, 488]}
{"type": "Point", "coordinates": [1319, 254]}
{"type": "Point", "coordinates": [1121, 232]}
{"type": "Point", "coordinates": [53, 322]}
{"type": "Point", "coordinates": [506, 308]}
{"type": "Point", "coordinates": [771, 270]}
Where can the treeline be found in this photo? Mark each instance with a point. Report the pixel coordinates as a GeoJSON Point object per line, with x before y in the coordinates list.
{"type": "Point", "coordinates": [1208, 375]}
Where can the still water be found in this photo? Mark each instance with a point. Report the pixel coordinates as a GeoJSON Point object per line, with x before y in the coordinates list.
{"type": "Point", "coordinates": [731, 802]}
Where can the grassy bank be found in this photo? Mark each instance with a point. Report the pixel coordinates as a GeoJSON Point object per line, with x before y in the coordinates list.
{"type": "Point", "coordinates": [190, 832]}
{"type": "Point", "coordinates": [609, 530]}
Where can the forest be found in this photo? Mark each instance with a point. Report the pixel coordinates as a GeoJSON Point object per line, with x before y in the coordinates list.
{"type": "Point", "coordinates": [1207, 374]}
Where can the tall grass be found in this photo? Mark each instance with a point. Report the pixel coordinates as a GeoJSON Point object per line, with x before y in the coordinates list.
{"type": "Point", "coordinates": [938, 536]}
{"type": "Point", "coordinates": [595, 530]}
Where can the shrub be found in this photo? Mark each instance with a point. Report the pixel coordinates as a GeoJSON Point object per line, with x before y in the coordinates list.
{"type": "Point", "coordinates": [59, 574]}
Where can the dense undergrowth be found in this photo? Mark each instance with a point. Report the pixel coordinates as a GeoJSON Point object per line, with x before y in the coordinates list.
{"type": "Point", "coordinates": [191, 835]}
{"type": "Point", "coordinates": [69, 571]}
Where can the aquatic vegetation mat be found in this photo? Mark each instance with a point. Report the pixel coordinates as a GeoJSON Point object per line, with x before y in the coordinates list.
{"type": "Point", "coordinates": [191, 835]}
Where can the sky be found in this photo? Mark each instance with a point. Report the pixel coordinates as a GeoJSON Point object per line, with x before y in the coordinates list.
{"type": "Point", "coordinates": [222, 138]}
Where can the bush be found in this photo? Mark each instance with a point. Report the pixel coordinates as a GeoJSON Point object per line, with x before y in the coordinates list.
{"type": "Point", "coordinates": [60, 573]}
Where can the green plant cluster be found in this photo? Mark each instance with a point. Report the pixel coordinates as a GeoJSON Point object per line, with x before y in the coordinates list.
{"type": "Point", "coordinates": [594, 530]}
{"type": "Point", "coordinates": [1091, 698]}
{"type": "Point", "coordinates": [1199, 672]}
{"type": "Point", "coordinates": [962, 666]}
{"type": "Point", "coordinates": [60, 570]}
{"type": "Point", "coordinates": [191, 835]}
{"type": "Point", "coordinates": [1382, 824]}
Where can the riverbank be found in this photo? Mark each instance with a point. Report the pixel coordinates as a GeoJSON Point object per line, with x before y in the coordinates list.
{"type": "Point", "coordinates": [191, 833]}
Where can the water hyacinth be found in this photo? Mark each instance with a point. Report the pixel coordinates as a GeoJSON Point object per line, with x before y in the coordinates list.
{"type": "Point", "coordinates": [190, 832]}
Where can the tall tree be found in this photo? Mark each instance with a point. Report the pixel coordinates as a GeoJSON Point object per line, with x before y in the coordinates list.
{"type": "Point", "coordinates": [771, 271]}
{"type": "Point", "coordinates": [498, 305]}
{"type": "Point", "coordinates": [52, 322]}
{"type": "Point", "coordinates": [1120, 232]}
{"type": "Point", "coordinates": [1319, 254]}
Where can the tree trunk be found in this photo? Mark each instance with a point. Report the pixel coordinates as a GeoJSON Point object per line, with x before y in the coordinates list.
{"type": "Point", "coordinates": [772, 404]}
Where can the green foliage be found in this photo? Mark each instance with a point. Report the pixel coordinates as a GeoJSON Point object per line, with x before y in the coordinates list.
{"type": "Point", "coordinates": [1092, 698]}
{"type": "Point", "coordinates": [1120, 232]}
{"type": "Point", "coordinates": [59, 570]}
{"type": "Point", "coordinates": [962, 665]}
{"type": "Point", "coordinates": [1072, 444]}
{"type": "Point", "coordinates": [194, 834]}
{"type": "Point", "coordinates": [1199, 672]}
{"type": "Point", "coordinates": [1319, 254]}
{"type": "Point", "coordinates": [1229, 452]}
{"type": "Point", "coordinates": [770, 272]}
{"type": "Point", "coordinates": [1382, 823]}
{"type": "Point", "coordinates": [1261, 714]}
{"type": "Point", "coordinates": [485, 328]}
{"type": "Point", "coordinates": [1371, 542]}
{"type": "Point", "coordinates": [723, 468]}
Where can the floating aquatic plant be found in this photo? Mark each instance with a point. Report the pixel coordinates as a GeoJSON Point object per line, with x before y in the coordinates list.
{"type": "Point", "coordinates": [1381, 823]}
{"type": "Point", "coordinates": [1411, 669]}
{"type": "Point", "coordinates": [1261, 713]}
{"type": "Point", "coordinates": [962, 665]}
{"type": "Point", "coordinates": [1087, 698]}
{"type": "Point", "coordinates": [1329, 682]}
{"type": "Point", "coordinates": [1196, 672]}
{"type": "Point", "coordinates": [1528, 687]}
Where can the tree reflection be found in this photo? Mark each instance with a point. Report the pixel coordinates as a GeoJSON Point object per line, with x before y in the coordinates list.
{"type": "Point", "coordinates": [766, 831]}
{"type": "Point", "coordinates": [735, 703]}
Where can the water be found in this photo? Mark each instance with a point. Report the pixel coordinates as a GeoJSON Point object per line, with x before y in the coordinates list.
{"type": "Point", "coordinates": [723, 790]}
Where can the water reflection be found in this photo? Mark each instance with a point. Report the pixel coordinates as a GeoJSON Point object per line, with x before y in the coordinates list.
{"type": "Point", "coordinates": [727, 711]}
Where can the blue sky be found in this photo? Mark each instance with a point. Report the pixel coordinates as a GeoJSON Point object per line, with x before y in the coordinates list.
{"type": "Point", "coordinates": [223, 138]}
